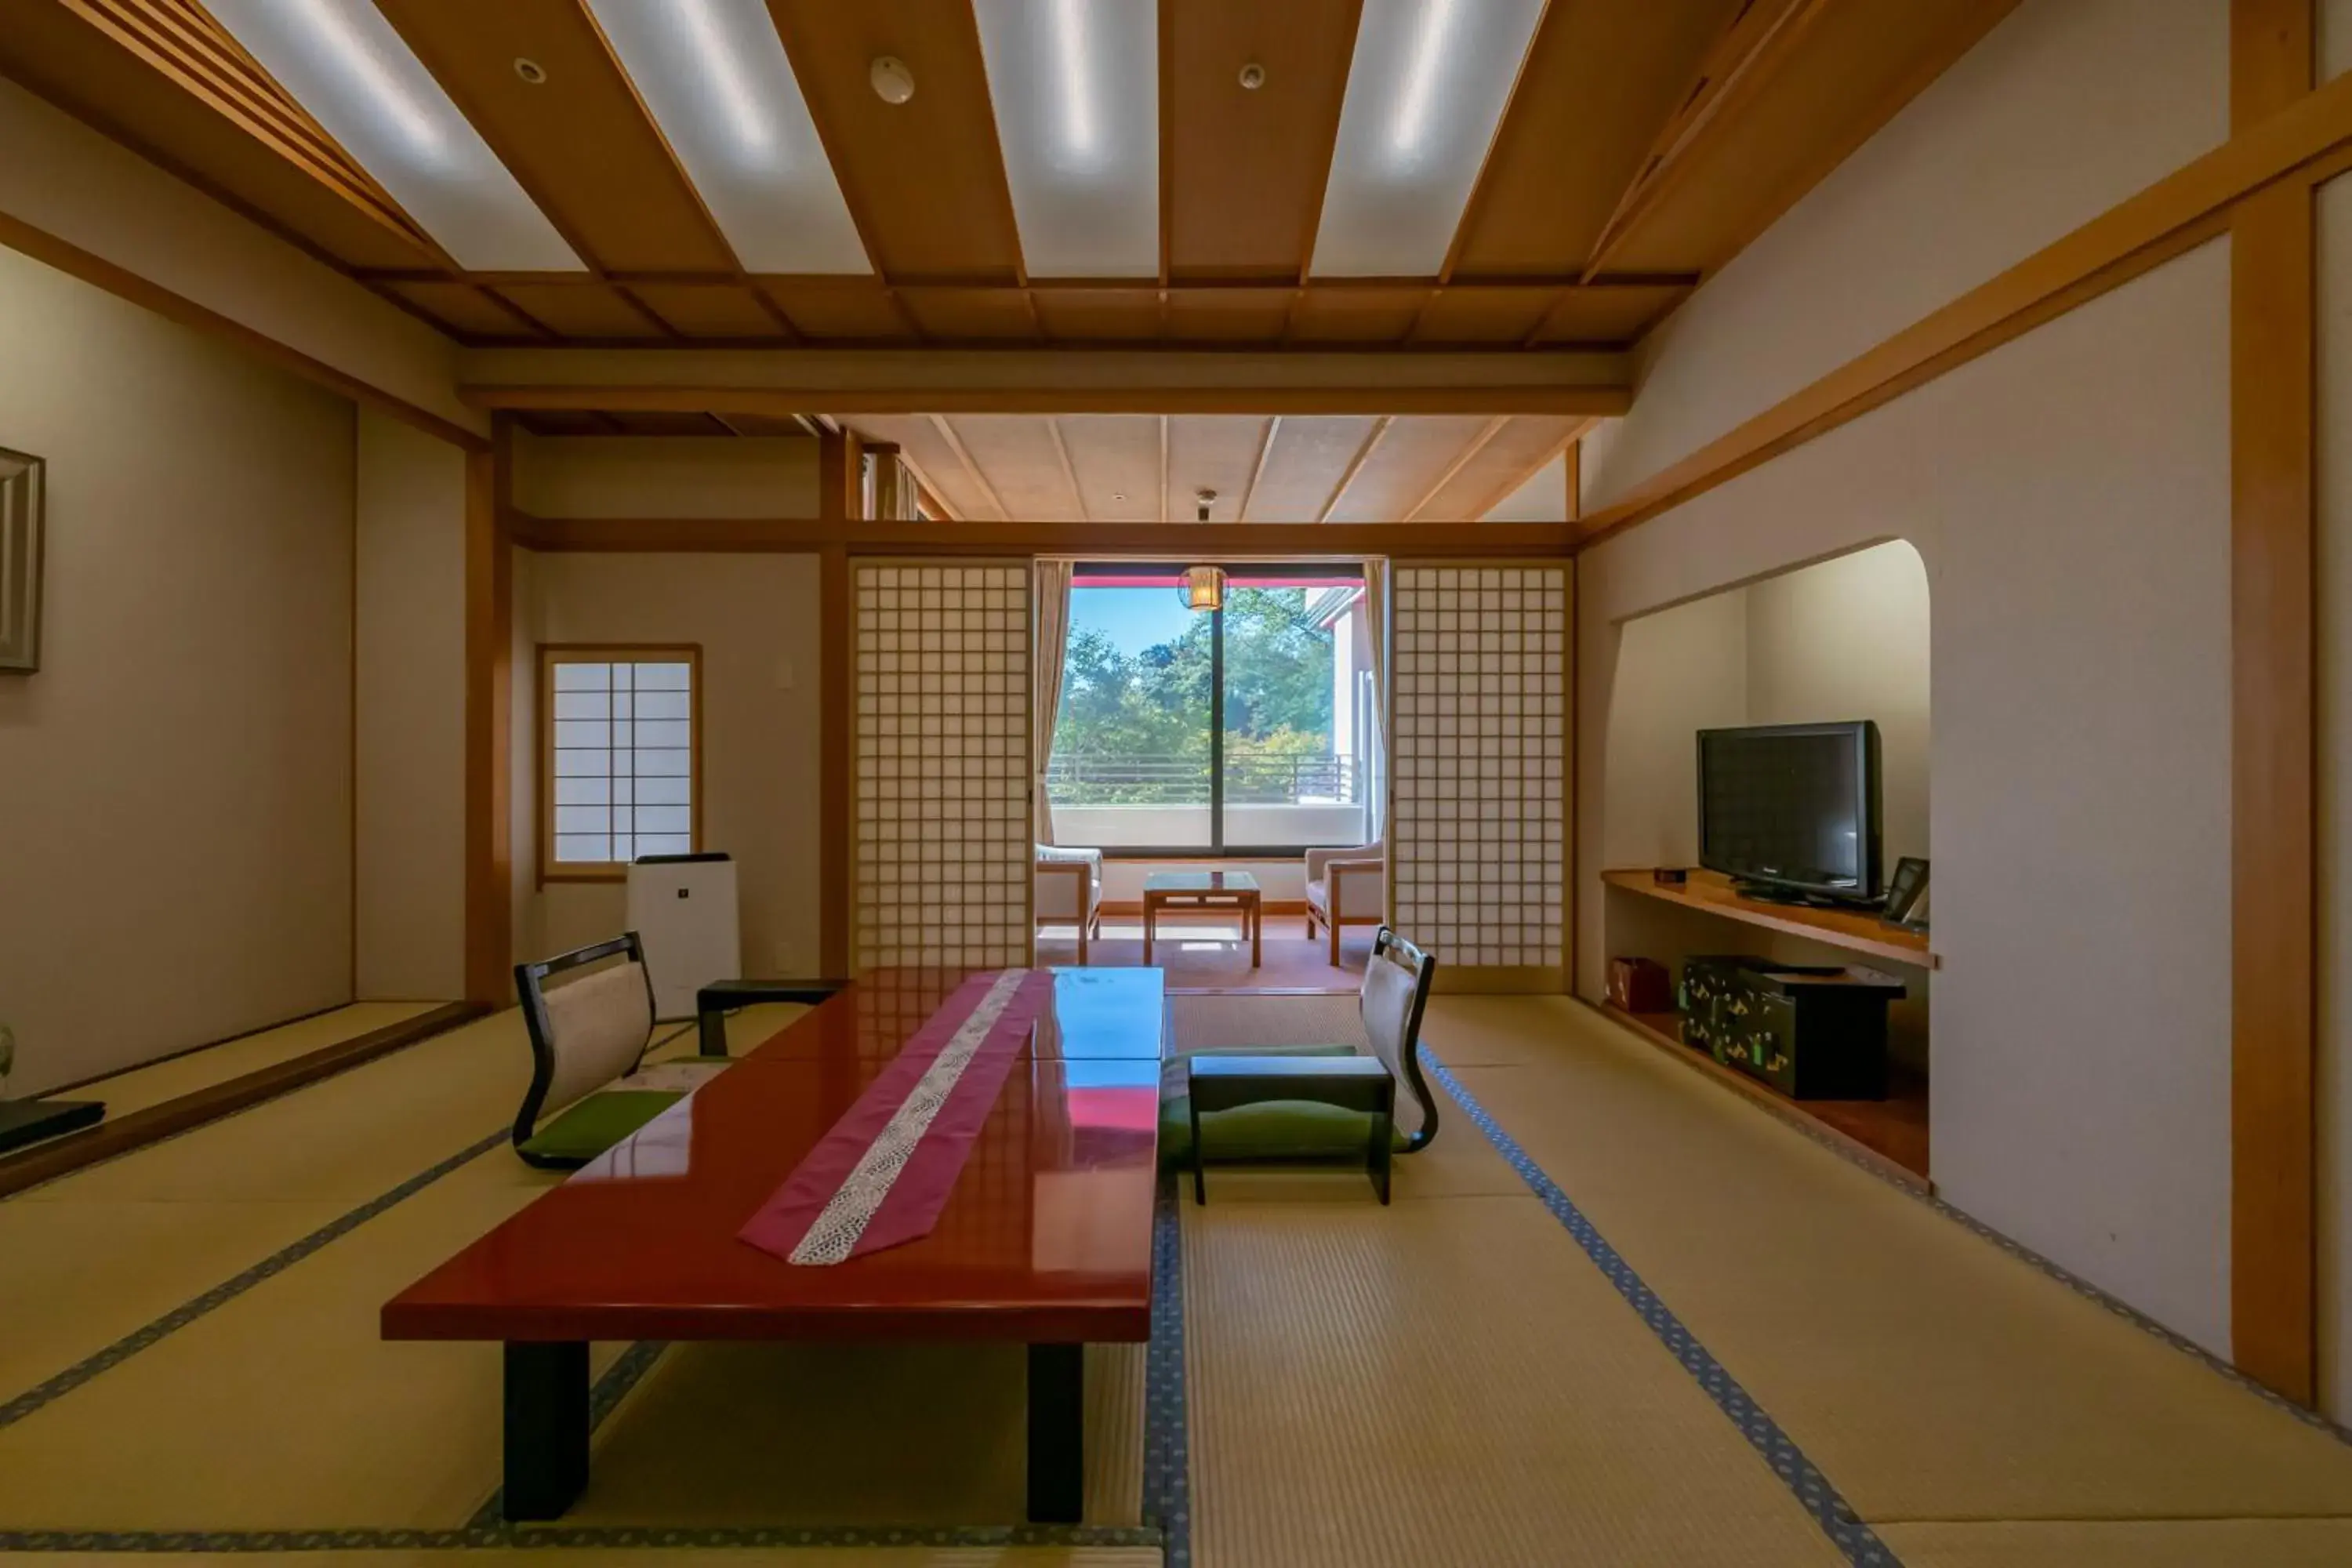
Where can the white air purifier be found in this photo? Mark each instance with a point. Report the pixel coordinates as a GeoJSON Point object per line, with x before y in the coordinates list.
{"type": "Point", "coordinates": [683, 909]}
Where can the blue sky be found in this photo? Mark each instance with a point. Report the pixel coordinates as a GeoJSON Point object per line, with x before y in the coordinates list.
{"type": "Point", "coordinates": [1133, 619]}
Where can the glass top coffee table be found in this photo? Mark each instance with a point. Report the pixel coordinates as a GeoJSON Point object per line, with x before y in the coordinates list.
{"type": "Point", "coordinates": [1204, 891]}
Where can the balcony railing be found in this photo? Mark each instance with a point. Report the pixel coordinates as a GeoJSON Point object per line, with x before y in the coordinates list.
{"type": "Point", "coordinates": [1169, 780]}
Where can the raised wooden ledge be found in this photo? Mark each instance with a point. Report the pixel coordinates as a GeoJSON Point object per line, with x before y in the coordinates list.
{"type": "Point", "coordinates": [1889, 1136]}
{"type": "Point", "coordinates": [1711, 892]}
{"type": "Point", "coordinates": [121, 1135]}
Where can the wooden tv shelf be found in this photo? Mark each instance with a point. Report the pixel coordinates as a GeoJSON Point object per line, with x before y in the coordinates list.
{"type": "Point", "coordinates": [1712, 892]}
{"type": "Point", "coordinates": [1889, 1135]}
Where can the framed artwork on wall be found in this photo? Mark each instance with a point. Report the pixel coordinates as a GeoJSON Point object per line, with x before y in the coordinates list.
{"type": "Point", "coordinates": [20, 562]}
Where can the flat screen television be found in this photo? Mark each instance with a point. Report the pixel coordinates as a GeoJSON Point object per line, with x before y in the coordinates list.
{"type": "Point", "coordinates": [1792, 806]}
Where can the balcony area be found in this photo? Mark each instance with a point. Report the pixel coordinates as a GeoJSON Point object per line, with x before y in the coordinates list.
{"type": "Point", "coordinates": [1284, 802]}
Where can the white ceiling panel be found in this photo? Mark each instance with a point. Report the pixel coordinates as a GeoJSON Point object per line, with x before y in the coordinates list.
{"type": "Point", "coordinates": [1076, 85]}
{"type": "Point", "coordinates": [1425, 92]}
{"type": "Point", "coordinates": [344, 63]}
{"type": "Point", "coordinates": [715, 76]}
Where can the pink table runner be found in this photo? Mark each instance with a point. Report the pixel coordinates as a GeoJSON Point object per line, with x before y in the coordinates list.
{"type": "Point", "coordinates": [883, 1174]}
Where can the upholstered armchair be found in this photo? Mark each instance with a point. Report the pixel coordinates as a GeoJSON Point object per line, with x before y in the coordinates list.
{"type": "Point", "coordinates": [1347, 887]}
{"type": "Point", "coordinates": [1069, 890]}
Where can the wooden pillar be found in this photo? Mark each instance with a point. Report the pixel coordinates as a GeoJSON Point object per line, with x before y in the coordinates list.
{"type": "Point", "coordinates": [2273, 1304]}
{"type": "Point", "coordinates": [835, 804]}
{"type": "Point", "coordinates": [840, 502]}
{"type": "Point", "coordinates": [489, 675]}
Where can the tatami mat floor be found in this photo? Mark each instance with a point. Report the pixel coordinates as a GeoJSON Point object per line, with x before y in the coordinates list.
{"type": "Point", "coordinates": [191, 1346]}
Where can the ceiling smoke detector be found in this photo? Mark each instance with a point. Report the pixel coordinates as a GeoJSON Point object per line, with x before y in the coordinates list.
{"type": "Point", "coordinates": [531, 71]}
{"type": "Point", "coordinates": [1253, 76]}
{"type": "Point", "coordinates": [893, 82]}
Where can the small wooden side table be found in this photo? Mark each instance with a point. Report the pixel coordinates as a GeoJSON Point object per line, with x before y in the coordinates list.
{"type": "Point", "coordinates": [1205, 890]}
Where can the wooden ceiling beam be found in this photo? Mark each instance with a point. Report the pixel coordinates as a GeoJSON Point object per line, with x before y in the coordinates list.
{"type": "Point", "coordinates": [1225, 540]}
{"type": "Point", "coordinates": [1736, 69]}
{"type": "Point", "coordinates": [786, 382]}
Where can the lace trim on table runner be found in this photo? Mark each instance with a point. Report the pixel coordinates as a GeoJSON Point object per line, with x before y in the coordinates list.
{"type": "Point", "coordinates": [835, 1233]}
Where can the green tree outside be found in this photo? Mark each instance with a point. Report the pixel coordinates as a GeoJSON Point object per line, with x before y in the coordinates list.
{"type": "Point", "coordinates": [1118, 708]}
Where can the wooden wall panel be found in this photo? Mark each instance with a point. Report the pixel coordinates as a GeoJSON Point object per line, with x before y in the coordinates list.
{"type": "Point", "coordinates": [579, 142]}
{"type": "Point", "coordinates": [1600, 78]}
{"type": "Point", "coordinates": [923, 179]}
{"type": "Point", "coordinates": [1248, 167]}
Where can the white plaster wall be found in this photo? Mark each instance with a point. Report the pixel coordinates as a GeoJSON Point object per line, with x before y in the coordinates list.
{"type": "Point", "coordinates": [2335, 39]}
{"type": "Point", "coordinates": [756, 619]}
{"type": "Point", "coordinates": [1675, 673]}
{"type": "Point", "coordinates": [409, 853]}
{"type": "Point", "coordinates": [1848, 638]}
{"type": "Point", "coordinates": [1542, 498]}
{"type": "Point", "coordinates": [175, 780]}
{"type": "Point", "coordinates": [68, 181]}
{"type": "Point", "coordinates": [2070, 495]}
{"type": "Point", "coordinates": [2063, 111]}
{"type": "Point", "coordinates": [666, 476]}
{"type": "Point", "coordinates": [2335, 424]}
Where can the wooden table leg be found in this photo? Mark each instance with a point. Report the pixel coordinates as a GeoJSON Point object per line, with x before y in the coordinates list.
{"type": "Point", "coordinates": [546, 1428]}
{"type": "Point", "coordinates": [1057, 1450]}
{"type": "Point", "coordinates": [1257, 932]}
{"type": "Point", "coordinates": [1149, 907]}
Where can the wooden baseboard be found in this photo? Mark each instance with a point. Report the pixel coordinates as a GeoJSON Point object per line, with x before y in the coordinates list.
{"type": "Point", "coordinates": [121, 1135]}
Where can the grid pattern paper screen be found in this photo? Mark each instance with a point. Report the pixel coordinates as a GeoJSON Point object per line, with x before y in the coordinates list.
{"type": "Point", "coordinates": [943, 766]}
{"type": "Point", "coordinates": [1480, 823]}
{"type": "Point", "coordinates": [621, 751]}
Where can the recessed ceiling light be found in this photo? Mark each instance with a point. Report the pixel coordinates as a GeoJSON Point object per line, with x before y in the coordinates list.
{"type": "Point", "coordinates": [530, 71]}
{"type": "Point", "coordinates": [1253, 76]}
{"type": "Point", "coordinates": [893, 82]}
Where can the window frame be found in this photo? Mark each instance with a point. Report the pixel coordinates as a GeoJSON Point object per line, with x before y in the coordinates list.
{"type": "Point", "coordinates": [551, 655]}
{"type": "Point", "coordinates": [1217, 848]}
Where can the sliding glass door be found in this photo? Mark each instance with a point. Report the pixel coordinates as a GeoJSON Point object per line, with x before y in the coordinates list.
{"type": "Point", "coordinates": [1242, 731]}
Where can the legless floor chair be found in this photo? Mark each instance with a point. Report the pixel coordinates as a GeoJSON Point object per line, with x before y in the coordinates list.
{"type": "Point", "coordinates": [588, 1041]}
{"type": "Point", "coordinates": [1286, 1102]}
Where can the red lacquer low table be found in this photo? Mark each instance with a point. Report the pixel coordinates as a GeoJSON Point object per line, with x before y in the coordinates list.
{"type": "Point", "coordinates": [1045, 1239]}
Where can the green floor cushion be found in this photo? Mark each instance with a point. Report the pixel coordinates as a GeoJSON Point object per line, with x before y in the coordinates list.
{"type": "Point", "coordinates": [1273, 1130]}
{"type": "Point", "coordinates": [597, 1122]}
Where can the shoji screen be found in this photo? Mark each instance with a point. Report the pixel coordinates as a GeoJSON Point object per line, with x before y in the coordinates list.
{"type": "Point", "coordinates": [944, 847]}
{"type": "Point", "coordinates": [1478, 844]}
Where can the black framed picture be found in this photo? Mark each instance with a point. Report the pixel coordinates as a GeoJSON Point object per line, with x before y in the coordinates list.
{"type": "Point", "coordinates": [1904, 890]}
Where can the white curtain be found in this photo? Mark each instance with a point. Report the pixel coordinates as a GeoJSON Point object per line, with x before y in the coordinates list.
{"type": "Point", "coordinates": [1376, 649]}
{"type": "Point", "coordinates": [1052, 597]}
